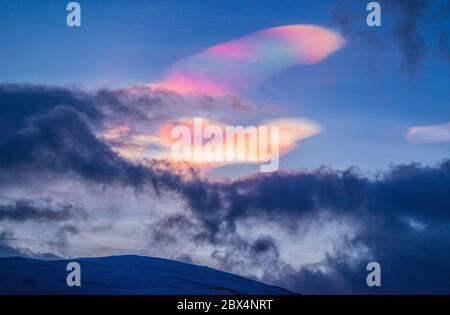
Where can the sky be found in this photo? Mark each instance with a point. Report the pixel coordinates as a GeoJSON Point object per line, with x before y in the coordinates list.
{"type": "Point", "coordinates": [363, 112]}
{"type": "Point", "coordinates": [366, 95]}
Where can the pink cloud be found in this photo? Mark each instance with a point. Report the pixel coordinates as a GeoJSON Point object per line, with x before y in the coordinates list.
{"type": "Point", "coordinates": [237, 65]}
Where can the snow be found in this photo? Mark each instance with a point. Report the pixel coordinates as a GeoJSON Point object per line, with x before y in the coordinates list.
{"type": "Point", "coordinates": [124, 275]}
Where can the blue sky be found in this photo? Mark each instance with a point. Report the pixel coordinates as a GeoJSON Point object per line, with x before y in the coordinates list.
{"type": "Point", "coordinates": [362, 95]}
{"type": "Point", "coordinates": [66, 190]}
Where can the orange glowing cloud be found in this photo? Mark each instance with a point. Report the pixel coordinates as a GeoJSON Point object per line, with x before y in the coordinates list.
{"type": "Point", "coordinates": [260, 143]}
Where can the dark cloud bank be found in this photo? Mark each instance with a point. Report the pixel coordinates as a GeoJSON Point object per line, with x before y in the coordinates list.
{"type": "Point", "coordinates": [405, 211]}
{"type": "Point", "coordinates": [414, 28]}
{"type": "Point", "coordinates": [23, 210]}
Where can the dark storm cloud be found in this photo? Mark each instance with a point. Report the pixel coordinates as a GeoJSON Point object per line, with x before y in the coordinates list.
{"type": "Point", "coordinates": [20, 102]}
{"type": "Point", "coordinates": [414, 26]}
{"type": "Point", "coordinates": [263, 245]}
{"type": "Point", "coordinates": [48, 129]}
{"type": "Point", "coordinates": [28, 210]}
{"type": "Point", "coordinates": [420, 193]}
{"type": "Point", "coordinates": [405, 211]}
{"type": "Point", "coordinates": [61, 141]}
{"type": "Point", "coordinates": [405, 190]}
{"type": "Point", "coordinates": [52, 130]}
{"type": "Point", "coordinates": [412, 262]}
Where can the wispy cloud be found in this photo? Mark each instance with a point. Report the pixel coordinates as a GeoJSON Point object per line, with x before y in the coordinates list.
{"type": "Point", "coordinates": [232, 67]}
{"type": "Point", "coordinates": [429, 134]}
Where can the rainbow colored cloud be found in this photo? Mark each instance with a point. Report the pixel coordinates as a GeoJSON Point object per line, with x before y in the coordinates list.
{"type": "Point", "coordinates": [237, 65]}
{"type": "Point", "coordinates": [138, 146]}
{"type": "Point", "coordinates": [230, 68]}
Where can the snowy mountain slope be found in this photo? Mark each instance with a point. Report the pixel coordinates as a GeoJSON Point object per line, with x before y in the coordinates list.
{"type": "Point", "coordinates": [123, 275]}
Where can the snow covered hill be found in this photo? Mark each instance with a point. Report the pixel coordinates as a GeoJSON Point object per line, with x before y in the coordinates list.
{"type": "Point", "coordinates": [123, 275]}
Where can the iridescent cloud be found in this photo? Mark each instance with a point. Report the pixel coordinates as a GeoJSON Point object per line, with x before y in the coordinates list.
{"type": "Point", "coordinates": [429, 134]}
{"type": "Point", "coordinates": [234, 66]}
{"type": "Point", "coordinates": [139, 146]}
